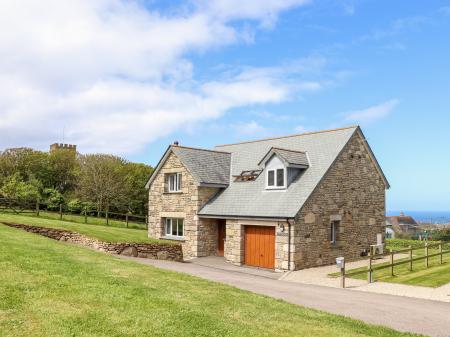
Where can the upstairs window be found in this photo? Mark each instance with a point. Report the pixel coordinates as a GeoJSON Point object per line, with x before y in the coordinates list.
{"type": "Point", "coordinates": [175, 227]}
{"type": "Point", "coordinates": [174, 182]}
{"type": "Point", "coordinates": [276, 178]}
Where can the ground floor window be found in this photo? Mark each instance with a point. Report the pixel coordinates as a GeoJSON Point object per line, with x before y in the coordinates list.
{"type": "Point", "coordinates": [333, 231]}
{"type": "Point", "coordinates": [175, 227]}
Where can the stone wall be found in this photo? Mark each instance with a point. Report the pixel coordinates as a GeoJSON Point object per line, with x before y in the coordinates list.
{"type": "Point", "coordinates": [200, 235]}
{"type": "Point", "coordinates": [146, 250]}
{"type": "Point", "coordinates": [352, 192]}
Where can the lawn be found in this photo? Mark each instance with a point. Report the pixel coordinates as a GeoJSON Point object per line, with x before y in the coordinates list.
{"type": "Point", "coordinates": [435, 275]}
{"type": "Point", "coordinates": [50, 288]}
{"type": "Point", "coordinates": [92, 220]}
{"type": "Point", "coordinates": [103, 233]}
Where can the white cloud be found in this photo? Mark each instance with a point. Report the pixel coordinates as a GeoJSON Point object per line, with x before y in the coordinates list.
{"type": "Point", "coordinates": [251, 128]}
{"type": "Point", "coordinates": [301, 129]}
{"type": "Point", "coordinates": [373, 113]}
{"type": "Point", "coordinates": [116, 74]}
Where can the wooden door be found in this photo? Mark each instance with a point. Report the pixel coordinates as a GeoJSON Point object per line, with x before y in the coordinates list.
{"type": "Point", "coordinates": [221, 234]}
{"type": "Point", "coordinates": [260, 246]}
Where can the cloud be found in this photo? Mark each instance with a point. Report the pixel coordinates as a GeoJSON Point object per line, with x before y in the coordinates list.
{"type": "Point", "coordinates": [373, 113]}
{"type": "Point", "coordinates": [301, 129]}
{"type": "Point", "coordinates": [251, 128]}
{"type": "Point", "coordinates": [399, 26]}
{"type": "Point", "coordinates": [445, 10]}
{"type": "Point", "coordinates": [117, 75]}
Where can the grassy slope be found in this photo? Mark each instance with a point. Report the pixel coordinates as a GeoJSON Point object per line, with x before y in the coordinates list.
{"type": "Point", "coordinates": [92, 220]}
{"type": "Point", "coordinates": [50, 288]}
{"type": "Point", "coordinates": [435, 275]}
{"type": "Point", "coordinates": [104, 233]}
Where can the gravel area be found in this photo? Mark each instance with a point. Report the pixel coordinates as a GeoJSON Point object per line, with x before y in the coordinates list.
{"type": "Point", "coordinates": [319, 276]}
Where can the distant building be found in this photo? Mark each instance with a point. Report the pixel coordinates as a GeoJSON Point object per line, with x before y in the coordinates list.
{"type": "Point", "coordinates": [61, 146]}
{"type": "Point", "coordinates": [402, 224]}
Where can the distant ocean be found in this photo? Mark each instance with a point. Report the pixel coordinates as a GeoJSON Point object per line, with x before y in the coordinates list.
{"type": "Point", "coordinates": [425, 216]}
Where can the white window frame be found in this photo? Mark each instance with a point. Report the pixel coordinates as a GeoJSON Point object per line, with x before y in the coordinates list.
{"type": "Point", "coordinates": [177, 181]}
{"type": "Point", "coordinates": [333, 231]}
{"type": "Point", "coordinates": [169, 224]}
{"type": "Point", "coordinates": [276, 186]}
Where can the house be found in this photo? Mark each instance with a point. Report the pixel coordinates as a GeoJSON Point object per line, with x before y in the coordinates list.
{"type": "Point", "coordinates": [282, 203]}
{"type": "Point", "coordinates": [402, 224]}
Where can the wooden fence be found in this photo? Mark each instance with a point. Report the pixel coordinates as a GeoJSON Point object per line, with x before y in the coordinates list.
{"type": "Point", "coordinates": [371, 268]}
{"type": "Point", "coordinates": [22, 207]}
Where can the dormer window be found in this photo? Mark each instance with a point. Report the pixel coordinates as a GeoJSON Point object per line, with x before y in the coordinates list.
{"type": "Point", "coordinates": [276, 178]}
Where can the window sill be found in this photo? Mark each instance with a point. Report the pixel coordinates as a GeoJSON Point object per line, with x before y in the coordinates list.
{"type": "Point", "coordinates": [177, 192]}
{"type": "Point", "coordinates": [174, 238]}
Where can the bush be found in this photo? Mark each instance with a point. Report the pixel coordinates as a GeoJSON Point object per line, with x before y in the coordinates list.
{"type": "Point", "coordinates": [53, 198]}
{"type": "Point", "coordinates": [75, 206]}
{"type": "Point", "coordinates": [15, 188]}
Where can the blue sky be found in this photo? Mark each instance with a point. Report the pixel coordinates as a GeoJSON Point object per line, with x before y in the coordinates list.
{"type": "Point", "coordinates": [132, 77]}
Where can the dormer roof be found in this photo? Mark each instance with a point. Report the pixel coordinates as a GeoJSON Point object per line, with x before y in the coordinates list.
{"type": "Point", "coordinates": [290, 158]}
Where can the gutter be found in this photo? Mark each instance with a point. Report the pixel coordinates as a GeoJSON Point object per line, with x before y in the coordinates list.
{"type": "Point", "coordinates": [289, 244]}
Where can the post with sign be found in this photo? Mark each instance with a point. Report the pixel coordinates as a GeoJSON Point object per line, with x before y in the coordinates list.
{"type": "Point", "coordinates": [340, 262]}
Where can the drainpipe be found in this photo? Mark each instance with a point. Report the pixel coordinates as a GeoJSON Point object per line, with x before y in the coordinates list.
{"type": "Point", "coordinates": [289, 244]}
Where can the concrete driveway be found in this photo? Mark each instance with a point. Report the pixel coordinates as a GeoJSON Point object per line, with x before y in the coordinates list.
{"type": "Point", "coordinates": [401, 313]}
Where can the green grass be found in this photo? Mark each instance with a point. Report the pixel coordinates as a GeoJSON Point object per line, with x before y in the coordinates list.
{"type": "Point", "coordinates": [91, 220]}
{"type": "Point", "coordinates": [435, 275]}
{"type": "Point", "coordinates": [103, 233]}
{"type": "Point", "coordinates": [50, 288]}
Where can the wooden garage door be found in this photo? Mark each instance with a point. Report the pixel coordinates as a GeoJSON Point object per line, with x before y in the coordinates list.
{"type": "Point", "coordinates": [260, 246]}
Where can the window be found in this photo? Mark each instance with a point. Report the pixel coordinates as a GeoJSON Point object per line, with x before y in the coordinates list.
{"type": "Point", "coordinates": [174, 182]}
{"type": "Point", "coordinates": [333, 231]}
{"type": "Point", "coordinates": [276, 178]}
{"type": "Point", "coordinates": [175, 227]}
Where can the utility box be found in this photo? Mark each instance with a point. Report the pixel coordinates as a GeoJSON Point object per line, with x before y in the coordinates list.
{"type": "Point", "coordinates": [340, 262]}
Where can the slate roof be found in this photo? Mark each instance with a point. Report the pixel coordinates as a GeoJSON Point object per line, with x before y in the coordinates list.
{"type": "Point", "coordinates": [289, 157]}
{"type": "Point", "coordinates": [206, 166]}
{"type": "Point", "coordinates": [251, 199]}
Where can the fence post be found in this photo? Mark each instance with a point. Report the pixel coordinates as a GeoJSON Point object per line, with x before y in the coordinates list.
{"type": "Point", "coordinates": [392, 262]}
{"type": "Point", "coordinates": [107, 217]}
{"type": "Point", "coordinates": [60, 212]}
{"type": "Point", "coordinates": [126, 219]}
{"type": "Point", "coordinates": [426, 254]}
{"type": "Point", "coordinates": [85, 215]}
{"type": "Point", "coordinates": [370, 273]}
{"type": "Point", "coordinates": [410, 258]}
{"type": "Point", "coordinates": [440, 252]}
{"type": "Point", "coordinates": [146, 222]}
{"type": "Point", "coordinates": [343, 277]}
{"type": "Point", "coordinates": [37, 207]}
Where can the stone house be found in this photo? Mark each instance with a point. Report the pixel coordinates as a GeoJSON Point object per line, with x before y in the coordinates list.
{"type": "Point", "coordinates": [282, 203]}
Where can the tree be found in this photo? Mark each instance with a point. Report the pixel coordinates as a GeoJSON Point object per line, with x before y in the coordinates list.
{"type": "Point", "coordinates": [27, 163]}
{"type": "Point", "coordinates": [63, 168]}
{"type": "Point", "coordinates": [136, 176]}
{"type": "Point", "coordinates": [101, 180]}
{"type": "Point", "coordinates": [15, 188]}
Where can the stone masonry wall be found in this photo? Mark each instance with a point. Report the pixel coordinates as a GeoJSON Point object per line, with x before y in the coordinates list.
{"type": "Point", "coordinates": [171, 252]}
{"type": "Point", "coordinates": [199, 234]}
{"type": "Point", "coordinates": [352, 192]}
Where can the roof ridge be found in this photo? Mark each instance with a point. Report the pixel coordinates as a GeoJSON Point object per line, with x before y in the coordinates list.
{"type": "Point", "coordinates": [198, 149]}
{"type": "Point", "coordinates": [289, 136]}
{"type": "Point", "coordinates": [280, 148]}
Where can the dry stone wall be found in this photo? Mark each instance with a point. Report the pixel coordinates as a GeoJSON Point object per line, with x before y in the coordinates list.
{"type": "Point", "coordinates": [171, 252]}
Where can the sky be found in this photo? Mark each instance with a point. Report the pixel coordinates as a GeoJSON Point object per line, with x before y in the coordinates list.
{"type": "Point", "coordinates": [130, 77]}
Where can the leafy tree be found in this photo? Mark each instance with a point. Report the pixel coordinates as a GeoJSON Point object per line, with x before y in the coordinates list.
{"type": "Point", "coordinates": [136, 176]}
{"type": "Point", "coordinates": [15, 188]}
{"type": "Point", "coordinates": [53, 198]}
{"type": "Point", "coordinates": [101, 180]}
{"type": "Point", "coordinates": [63, 168]}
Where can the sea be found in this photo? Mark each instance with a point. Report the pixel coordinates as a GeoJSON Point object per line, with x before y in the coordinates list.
{"type": "Point", "coordinates": [436, 217]}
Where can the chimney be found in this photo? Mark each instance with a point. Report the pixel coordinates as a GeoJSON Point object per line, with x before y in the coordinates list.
{"type": "Point", "coordinates": [175, 143]}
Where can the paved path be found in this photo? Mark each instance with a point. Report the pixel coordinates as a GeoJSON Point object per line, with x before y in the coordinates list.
{"type": "Point", "coordinates": [401, 313]}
